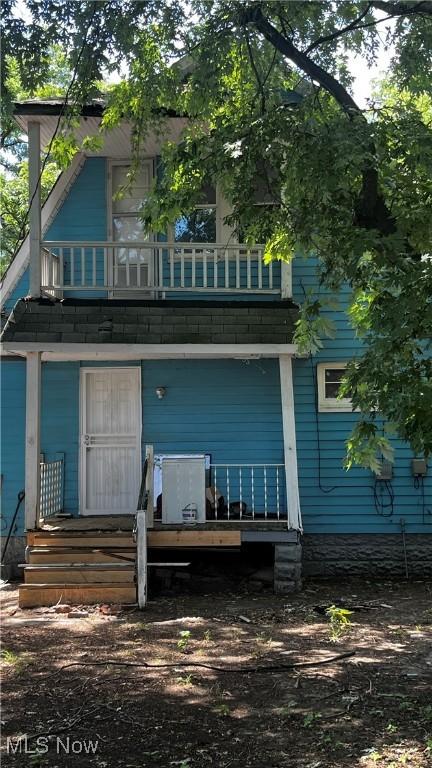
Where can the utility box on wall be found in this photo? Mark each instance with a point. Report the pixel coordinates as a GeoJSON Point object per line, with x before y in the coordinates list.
{"type": "Point", "coordinates": [183, 483]}
{"type": "Point", "coordinates": [419, 467]}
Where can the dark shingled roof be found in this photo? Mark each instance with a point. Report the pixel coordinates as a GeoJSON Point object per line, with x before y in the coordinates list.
{"type": "Point", "coordinates": [56, 106]}
{"type": "Point", "coordinates": [99, 321]}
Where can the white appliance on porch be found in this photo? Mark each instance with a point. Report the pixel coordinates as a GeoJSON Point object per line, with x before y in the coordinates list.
{"type": "Point", "coordinates": [182, 482]}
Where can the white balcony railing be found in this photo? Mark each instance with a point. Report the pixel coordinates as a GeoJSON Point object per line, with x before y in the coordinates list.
{"type": "Point", "coordinates": [158, 269]}
{"type": "Point", "coordinates": [50, 272]}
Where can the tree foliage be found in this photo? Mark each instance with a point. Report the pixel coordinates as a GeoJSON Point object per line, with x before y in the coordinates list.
{"type": "Point", "coordinates": [14, 199]}
{"type": "Point", "coordinates": [268, 92]}
{"type": "Point", "coordinates": [14, 188]}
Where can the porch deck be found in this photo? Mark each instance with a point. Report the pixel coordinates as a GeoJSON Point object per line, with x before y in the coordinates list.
{"type": "Point", "coordinates": [80, 531]}
{"type": "Point", "coordinates": [93, 559]}
{"type": "Point", "coordinates": [126, 523]}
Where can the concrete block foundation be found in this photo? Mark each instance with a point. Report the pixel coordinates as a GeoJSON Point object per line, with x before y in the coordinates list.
{"type": "Point", "coordinates": [287, 568]}
{"type": "Point", "coordinates": [371, 555]}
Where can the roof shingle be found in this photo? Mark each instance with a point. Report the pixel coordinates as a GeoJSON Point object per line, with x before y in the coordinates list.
{"type": "Point", "coordinates": [151, 322]}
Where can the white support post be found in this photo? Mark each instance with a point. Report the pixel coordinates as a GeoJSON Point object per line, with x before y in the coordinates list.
{"type": "Point", "coordinates": [149, 485]}
{"type": "Point", "coordinates": [32, 442]}
{"type": "Point", "coordinates": [141, 541]}
{"type": "Point", "coordinates": [289, 438]}
{"type": "Point", "coordinates": [35, 209]}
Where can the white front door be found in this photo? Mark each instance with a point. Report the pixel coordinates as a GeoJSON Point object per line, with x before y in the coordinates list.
{"type": "Point", "coordinates": [110, 440]}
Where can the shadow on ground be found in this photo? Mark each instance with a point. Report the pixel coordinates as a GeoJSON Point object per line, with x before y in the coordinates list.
{"type": "Point", "coordinates": [374, 708]}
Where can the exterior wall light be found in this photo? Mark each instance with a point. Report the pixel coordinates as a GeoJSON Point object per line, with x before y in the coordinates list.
{"type": "Point", "coordinates": [161, 392]}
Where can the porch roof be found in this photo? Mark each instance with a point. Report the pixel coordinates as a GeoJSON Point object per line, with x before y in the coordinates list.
{"type": "Point", "coordinates": [110, 321]}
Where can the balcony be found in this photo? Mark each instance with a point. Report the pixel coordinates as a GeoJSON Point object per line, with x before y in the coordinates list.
{"type": "Point", "coordinates": [159, 270]}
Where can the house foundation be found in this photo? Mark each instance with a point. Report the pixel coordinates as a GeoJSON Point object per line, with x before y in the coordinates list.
{"type": "Point", "coordinates": [370, 555]}
{"type": "Point", "coordinates": [287, 567]}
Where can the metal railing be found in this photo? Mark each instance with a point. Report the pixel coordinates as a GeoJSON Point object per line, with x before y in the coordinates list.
{"type": "Point", "coordinates": [248, 492]}
{"type": "Point", "coordinates": [160, 268]}
{"type": "Point", "coordinates": [51, 488]}
{"type": "Point", "coordinates": [245, 492]}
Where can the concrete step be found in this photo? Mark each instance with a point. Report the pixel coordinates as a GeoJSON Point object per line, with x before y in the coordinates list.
{"type": "Point", "coordinates": [46, 555]}
{"type": "Point", "coordinates": [43, 594]}
{"type": "Point", "coordinates": [79, 573]}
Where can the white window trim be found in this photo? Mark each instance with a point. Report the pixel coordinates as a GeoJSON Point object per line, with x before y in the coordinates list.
{"type": "Point", "coordinates": [221, 209]}
{"type": "Point", "coordinates": [116, 293]}
{"type": "Point", "coordinates": [331, 404]}
{"type": "Point", "coordinates": [110, 191]}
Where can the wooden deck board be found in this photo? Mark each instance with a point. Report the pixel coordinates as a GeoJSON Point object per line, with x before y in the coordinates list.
{"type": "Point", "coordinates": [33, 595]}
{"type": "Point", "coordinates": [124, 523]}
{"type": "Point", "coordinates": [41, 555]}
{"type": "Point", "coordinates": [91, 523]}
{"type": "Point", "coordinates": [78, 574]}
{"type": "Point", "coordinates": [193, 538]}
{"type": "Point", "coordinates": [88, 539]}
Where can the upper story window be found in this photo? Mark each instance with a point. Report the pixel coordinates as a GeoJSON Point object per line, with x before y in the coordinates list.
{"type": "Point", "coordinates": [125, 206]}
{"type": "Point", "coordinates": [127, 198]}
{"type": "Point", "coordinates": [200, 225]}
{"type": "Point", "coordinates": [329, 378]}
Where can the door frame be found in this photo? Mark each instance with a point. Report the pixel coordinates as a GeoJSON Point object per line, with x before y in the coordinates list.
{"type": "Point", "coordinates": [84, 371]}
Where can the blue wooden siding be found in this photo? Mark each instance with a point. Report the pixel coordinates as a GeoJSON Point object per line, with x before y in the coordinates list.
{"type": "Point", "coordinates": [13, 376]}
{"type": "Point", "coordinates": [59, 430]}
{"type": "Point", "coordinates": [333, 500]}
{"type": "Point", "coordinates": [228, 409]}
{"type": "Point", "coordinates": [231, 410]}
{"type": "Point", "coordinates": [83, 217]}
{"type": "Point", "coordinates": [21, 289]}
{"type": "Point", "coordinates": [60, 423]}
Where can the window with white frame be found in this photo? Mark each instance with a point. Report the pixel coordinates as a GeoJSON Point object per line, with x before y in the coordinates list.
{"type": "Point", "coordinates": [128, 197]}
{"type": "Point", "coordinates": [329, 378]}
{"type": "Point", "coordinates": [132, 266]}
{"type": "Point", "coordinates": [199, 226]}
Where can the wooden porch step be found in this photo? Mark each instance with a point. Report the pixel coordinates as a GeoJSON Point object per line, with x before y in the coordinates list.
{"type": "Point", "coordinates": [46, 555]}
{"type": "Point", "coordinates": [89, 539]}
{"type": "Point", "coordinates": [79, 573]}
{"type": "Point", "coordinates": [34, 595]}
{"type": "Point", "coordinates": [193, 538]}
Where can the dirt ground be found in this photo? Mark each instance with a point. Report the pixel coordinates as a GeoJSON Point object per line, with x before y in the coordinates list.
{"type": "Point", "coordinates": [373, 708]}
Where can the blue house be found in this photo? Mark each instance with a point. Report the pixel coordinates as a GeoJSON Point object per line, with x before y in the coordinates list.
{"type": "Point", "coordinates": [175, 353]}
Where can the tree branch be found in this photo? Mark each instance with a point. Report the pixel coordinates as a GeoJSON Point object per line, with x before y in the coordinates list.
{"type": "Point", "coordinates": [256, 72]}
{"type": "Point", "coordinates": [338, 32]}
{"type": "Point", "coordinates": [371, 209]}
{"type": "Point", "coordinates": [404, 8]}
{"type": "Point", "coordinates": [283, 44]}
{"type": "Point", "coordinates": [230, 670]}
